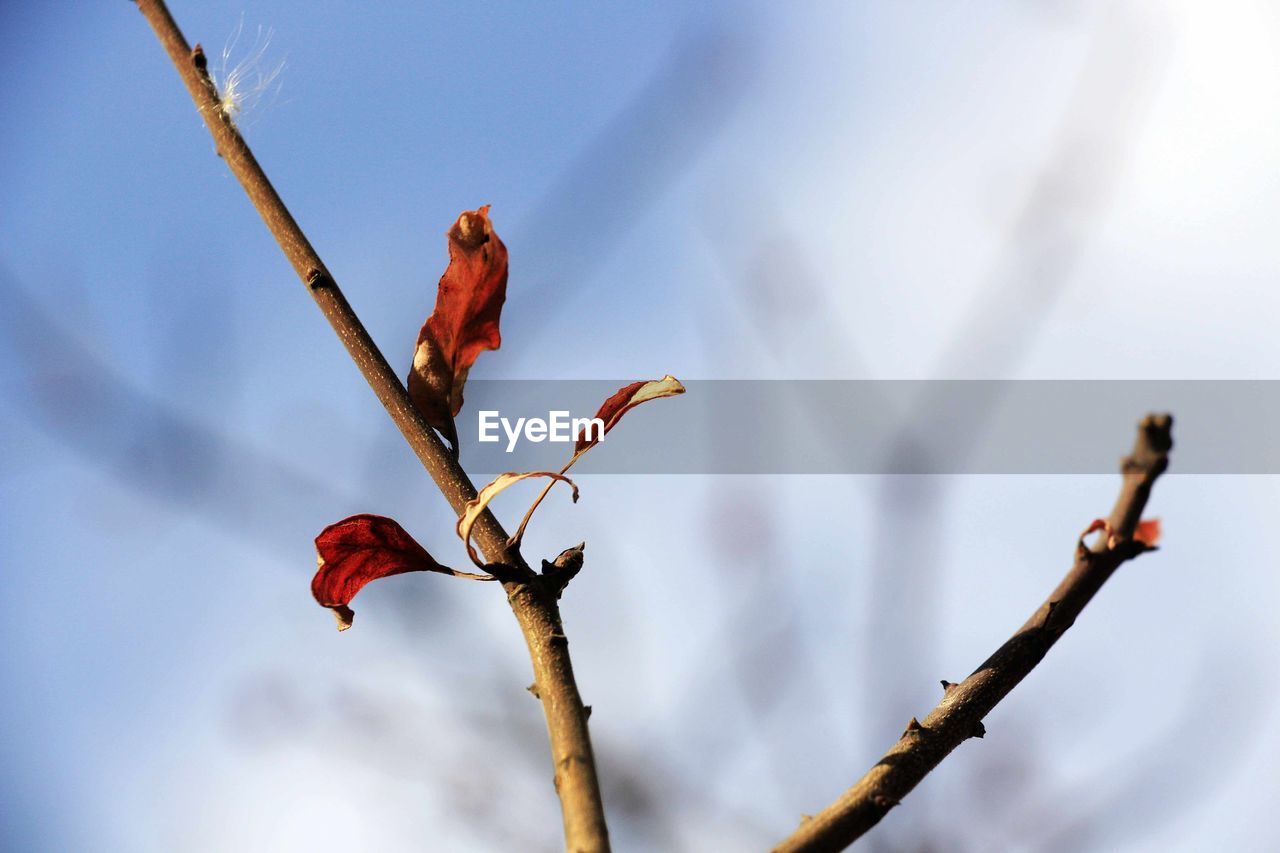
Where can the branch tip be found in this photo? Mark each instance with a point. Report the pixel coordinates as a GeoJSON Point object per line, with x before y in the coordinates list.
{"type": "Point", "coordinates": [564, 568]}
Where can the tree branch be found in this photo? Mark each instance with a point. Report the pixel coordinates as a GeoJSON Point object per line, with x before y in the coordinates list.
{"type": "Point", "coordinates": [532, 600]}
{"type": "Point", "coordinates": [959, 715]}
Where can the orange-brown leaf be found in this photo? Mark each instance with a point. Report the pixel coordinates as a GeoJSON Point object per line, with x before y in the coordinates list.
{"type": "Point", "coordinates": [464, 323]}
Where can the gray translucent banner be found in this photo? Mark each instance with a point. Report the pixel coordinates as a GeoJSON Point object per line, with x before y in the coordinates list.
{"type": "Point", "coordinates": [881, 427]}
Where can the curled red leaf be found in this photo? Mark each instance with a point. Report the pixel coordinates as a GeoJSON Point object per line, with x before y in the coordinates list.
{"type": "Point", "coordinates": [624, 400]}
{"type": "Point", "coordinates": [362, 548]}
{"type": "Point", "coordinates": [464, 323]}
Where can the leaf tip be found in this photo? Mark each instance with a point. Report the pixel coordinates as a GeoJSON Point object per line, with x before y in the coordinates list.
{"type": "Point", "coordinates": [343, 615]}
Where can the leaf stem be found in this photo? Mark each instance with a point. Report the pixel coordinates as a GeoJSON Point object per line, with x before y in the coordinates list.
{"type": "Point", "coordinates": [524, 522]}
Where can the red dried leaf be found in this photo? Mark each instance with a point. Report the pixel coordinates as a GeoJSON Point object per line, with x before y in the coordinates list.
{"type": "Point", "coordinates": [1148, 532]}
{"type": "Point", "coordinates": [626, 399]}
{"type": "Point", "coordinates": [464, 322]}
{"type": "Point", "coordinates": [360, 549]}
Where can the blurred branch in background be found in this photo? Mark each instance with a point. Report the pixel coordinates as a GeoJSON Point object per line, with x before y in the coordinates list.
{"type": "Point", "coordinates": [1063, 212]}
{"type": "Point", "coordinates": [79, 399]}
{"type": "Point", "coordinates": [1064, 209]}
{"type": "Point", "coordinates": [607, 188]}
{"type": "Point", "coordinates": [1169, 773]}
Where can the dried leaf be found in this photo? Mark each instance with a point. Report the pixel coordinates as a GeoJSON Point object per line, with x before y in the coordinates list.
{"type": "Point", "coordinates": [464, 322]}
{"type": "Point", "coordinates": [611, 411]}
{"type": "Point", "coordinates": [362, 548]}
{"type": "Point", "coordinates": [474, 508]}
{"type": "Point", "coordinates": [626, 399]}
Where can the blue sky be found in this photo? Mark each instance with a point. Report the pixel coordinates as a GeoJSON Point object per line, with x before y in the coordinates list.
{"type": "Point", "coordinates": [1028, 190]}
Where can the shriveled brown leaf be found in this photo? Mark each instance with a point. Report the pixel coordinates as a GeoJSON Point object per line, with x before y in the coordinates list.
{"type": "Point", "coordinates": [464, 323]}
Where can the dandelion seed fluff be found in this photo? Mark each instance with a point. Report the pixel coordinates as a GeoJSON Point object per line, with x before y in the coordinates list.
{"type": "Point", "coordinates": [242, 84]}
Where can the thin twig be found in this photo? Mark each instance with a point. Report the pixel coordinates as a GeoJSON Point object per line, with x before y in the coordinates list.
{"type": "Point", "coordinates": [532, 600]}
{"type": "Point", "coordinates": [959, 715]}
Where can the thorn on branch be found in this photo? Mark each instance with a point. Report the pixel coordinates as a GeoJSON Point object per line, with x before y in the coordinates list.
{"type": "Point", "coordinates": [533, 689]}
{"type": "Point", "coordinates": [948, 686]}
{"type": "Point", "coordinates": [979, 730]}
{"type": "Point", "coordinates": [199, 60]}
{"type": "Point", "coordinates": [913, 728]}
{"type": "Point", "coordinates": [586, 709]}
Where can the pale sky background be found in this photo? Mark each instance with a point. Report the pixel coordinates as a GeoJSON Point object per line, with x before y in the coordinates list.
{"type": "Point", "coordinates": [1035, 190]}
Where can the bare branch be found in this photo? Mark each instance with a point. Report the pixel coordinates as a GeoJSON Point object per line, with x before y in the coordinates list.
{"type": "Point", "coordinates": [959, 715]}
{"type": "Point", "coordinates": [534, 604]}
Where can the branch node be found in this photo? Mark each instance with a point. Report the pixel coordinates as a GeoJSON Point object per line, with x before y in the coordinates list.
{"type": "Point", "coordinates": [317, 279]}
{"type": "Point", "coordinates": [507, 574]}
{"type": "Point", "coordinates": [563, 569]}
{"type": "Point", "coordinates": [914, 728]}
{"type": "Point", "coordinates": [533, 690]}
